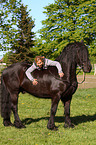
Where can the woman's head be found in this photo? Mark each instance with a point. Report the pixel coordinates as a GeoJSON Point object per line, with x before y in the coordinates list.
{"type": "Point", "coordinates": [39, 61]}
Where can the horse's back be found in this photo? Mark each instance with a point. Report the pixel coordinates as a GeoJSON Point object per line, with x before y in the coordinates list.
{"type": "Point", "coordinates": [15, 68]}
{"type": "Point", "coordinates": [13, 75]}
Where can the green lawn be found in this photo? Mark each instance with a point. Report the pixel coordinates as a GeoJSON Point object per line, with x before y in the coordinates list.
{"type": "Point", "coordinates": [35, 113]}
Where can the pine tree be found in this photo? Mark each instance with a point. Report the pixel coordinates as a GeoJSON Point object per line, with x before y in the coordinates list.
{"type": "Point", "coordinates": [24, 42]}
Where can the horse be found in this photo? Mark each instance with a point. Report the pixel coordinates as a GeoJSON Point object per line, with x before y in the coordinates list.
{"type": "Point", "coordinates": [50, 85]}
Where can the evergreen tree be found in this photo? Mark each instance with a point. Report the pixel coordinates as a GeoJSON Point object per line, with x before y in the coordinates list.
{"type": "Point", "coordinates": [68, 21]}
{"type": "Point", "coordinates": [23, 47]}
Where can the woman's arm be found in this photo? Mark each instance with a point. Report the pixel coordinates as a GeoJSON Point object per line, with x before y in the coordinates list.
{"type": "Point", "coordinates": [29, 71]}
{"type": "Point", "coordinates": [54, 63]}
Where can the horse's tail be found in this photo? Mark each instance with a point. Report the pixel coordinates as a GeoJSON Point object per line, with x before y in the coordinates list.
{"type": "Point", "coordinates": [5, 100]}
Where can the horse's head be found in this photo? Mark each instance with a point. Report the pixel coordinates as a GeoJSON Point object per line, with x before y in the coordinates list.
{"type": "Point", "coordinates": [83, 57]}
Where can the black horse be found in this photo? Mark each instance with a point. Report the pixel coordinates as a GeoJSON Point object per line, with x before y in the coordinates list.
{"type": "Point", "coordinates": [14, 81]}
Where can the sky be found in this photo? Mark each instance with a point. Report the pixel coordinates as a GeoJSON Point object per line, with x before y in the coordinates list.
{"type": "Point", "coordinates": [36, 12]}
{"type": "Point", "coordinates": [37, 9]}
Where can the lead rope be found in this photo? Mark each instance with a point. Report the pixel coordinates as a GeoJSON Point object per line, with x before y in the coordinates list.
{"type": "Point", "coordinates": [83, 74]}
{"type": "Point", "coordinates": [83, 77]}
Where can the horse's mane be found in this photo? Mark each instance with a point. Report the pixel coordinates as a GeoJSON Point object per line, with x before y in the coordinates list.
{"type": "Point", "coordinates": [69, 48]}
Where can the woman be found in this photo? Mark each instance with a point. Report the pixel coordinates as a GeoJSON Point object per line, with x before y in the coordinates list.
{"type": "Point", "coordinates": [42, 62]}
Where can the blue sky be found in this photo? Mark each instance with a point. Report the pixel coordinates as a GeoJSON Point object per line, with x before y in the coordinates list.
{"type": "Point", "coordinates": [36, 12]}
{"type": "Point", "coordinates": [37, 9]}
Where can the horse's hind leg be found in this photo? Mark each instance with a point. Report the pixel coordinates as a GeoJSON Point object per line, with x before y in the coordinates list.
{"type": "Point", "coordinates": [54, 105]}
{"type": "Point", "coordinates": [14, 107]}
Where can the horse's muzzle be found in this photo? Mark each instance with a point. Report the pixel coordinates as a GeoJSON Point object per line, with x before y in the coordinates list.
{"type": "Point", "coordinates": [87, 67]}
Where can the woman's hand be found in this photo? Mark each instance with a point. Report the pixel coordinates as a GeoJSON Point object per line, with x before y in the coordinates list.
{"type": "Point", "coordinates": [35, 82]}
{"type": "Point", "coordinates": [61, 75]}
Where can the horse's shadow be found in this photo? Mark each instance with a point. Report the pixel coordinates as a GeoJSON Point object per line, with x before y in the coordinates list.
{"type": "Point", "coordinates": [75, 120]}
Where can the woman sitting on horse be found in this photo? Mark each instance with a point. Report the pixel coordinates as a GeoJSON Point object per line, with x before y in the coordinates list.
{"type": "Point", "coordinates": [41, 62]}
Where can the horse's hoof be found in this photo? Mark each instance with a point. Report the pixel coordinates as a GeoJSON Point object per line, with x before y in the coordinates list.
{"type": "Point", "coordinates": [68, 126]}
{"type": "Point", "coordinates": [72, 125]}
{"type": "Point", "coordinates": [7, 123]}
{"type": "Point", "coordinates": [19, 125]}
{"type": "Point", "coordinates": [22, 126]}
{"type": "Point", "coordinates": [54, 128]}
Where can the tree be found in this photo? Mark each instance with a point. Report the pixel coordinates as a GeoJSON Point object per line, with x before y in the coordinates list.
{"type": "Point", "coordinates": [8, 21]}
{"type": "Point", "coordinates": [23, 46]}
{"type": "Point", "coordinates": [68, 21]}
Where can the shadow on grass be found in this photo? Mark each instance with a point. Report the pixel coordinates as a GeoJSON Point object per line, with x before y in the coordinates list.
{"type": "Point", "coordinates": [75, 120]}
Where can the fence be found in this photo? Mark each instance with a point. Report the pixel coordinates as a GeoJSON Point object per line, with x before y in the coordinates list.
{"type": "Point", "coordinates": [90, 81]}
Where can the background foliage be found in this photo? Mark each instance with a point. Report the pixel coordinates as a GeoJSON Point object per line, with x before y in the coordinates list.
{"type": "Point", "coordinates": [16, 34]}
{"type": "Point", "coordinates": [24, 43]}
{"type": "Point", "coordinates": [8, 22]}
{"type": "Point", "coordinates": [66, 21]}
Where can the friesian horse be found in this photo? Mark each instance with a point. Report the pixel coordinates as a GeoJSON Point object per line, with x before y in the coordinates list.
{"type": "Point", "coordinates": [50, 85]}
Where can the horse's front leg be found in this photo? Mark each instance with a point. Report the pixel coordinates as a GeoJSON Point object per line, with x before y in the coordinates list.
{"type": "Point", "coordinates": [67, 114]}
{"type": "Point", "coordinates": [17, 122]}
{"type": "Point", "coordinates": [54, 105]}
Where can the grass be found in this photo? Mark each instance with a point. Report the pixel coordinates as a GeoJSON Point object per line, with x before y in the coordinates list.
{"type": "Point", "coordinates": [35, 112]}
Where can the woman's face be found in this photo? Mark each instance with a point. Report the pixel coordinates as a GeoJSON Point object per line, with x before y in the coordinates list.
{"type": "Point", "coordinates": [39, 63]}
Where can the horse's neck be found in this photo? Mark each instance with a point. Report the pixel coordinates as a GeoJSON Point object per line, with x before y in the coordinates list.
{"type": "Point", "coordinates": [70, 71]}
{"type": "Point", "coordinates": [69, 65]}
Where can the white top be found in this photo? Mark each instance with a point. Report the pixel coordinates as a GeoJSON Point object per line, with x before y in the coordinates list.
{"type": "Point", "coordinates": [48, 62]}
